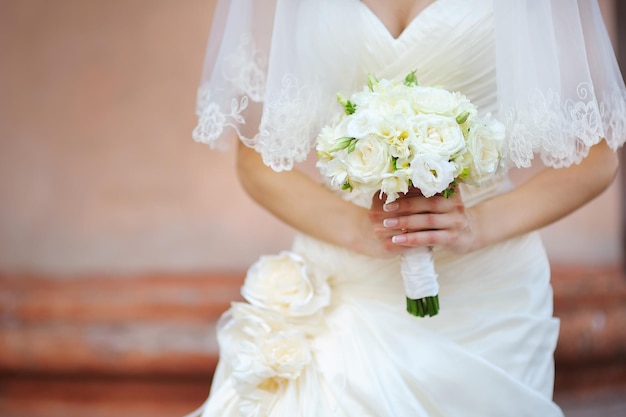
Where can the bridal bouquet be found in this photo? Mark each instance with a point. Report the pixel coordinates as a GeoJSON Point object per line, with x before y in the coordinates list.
{"type": "Point", "coordinates": [395, 135]}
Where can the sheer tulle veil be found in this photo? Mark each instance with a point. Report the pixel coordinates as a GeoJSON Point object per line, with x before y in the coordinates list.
{"type": "Point", "coordinates": [560, 90]}
{"type": "Point", "coordinates": [270, 77]}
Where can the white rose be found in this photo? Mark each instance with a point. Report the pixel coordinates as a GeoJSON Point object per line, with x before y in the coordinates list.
{"type": "Point", "coordinates": [241, 330]}
{"type": "Point", "coordinates": [380, 105]}
{"type": "Point", "coordinates": [285, 283]}
{"type": "Point", "coordinates": [400, 144]}
{"type": "Point", "coordinates": [249, 370]}
{"type": "Point", "coordinates": [395, 183]}
{"type": "Point", "coordinates": [335, 170]}
{"type": "Point", "coordinates": [440, 135]}
{"type": "Point", "coordinates": [403, 106]}
{"type": "Point", "coordinates": [325, 141]}
{"type": "Point", "coordinates": [382, 101]}
{"type": "Point", "coordinates": [396, 131]}
{"type": "Point", "coordinates": [433, 100]}
{"type": "Point", "coordinates": [368, 163]}
{"type": "Point", "coordinates": [261, 346]}
{"type": "Point", "coordinates": [259, 402]}
{"type": "Point", "coordinates": [463, 106]}
{"type": "Point", "coordinates": [386, 85]}
{"type": "Point", "coordinates": [286, 352]}
{"type": "Point", "coordinates": [432, 174]}
{"type": "Point", "coordinates": [363, 98]}
{"type": "Point", "coordinates": [362, 123]}
{"type": "Point", "coordinates": [484, 146]}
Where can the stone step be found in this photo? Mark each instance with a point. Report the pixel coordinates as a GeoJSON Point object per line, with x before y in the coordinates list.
{"type": "Point", "coordinates": [156, 325]}
{"type": "Point", "coordinates": [37, 396]}
{"type": "Point", "coordinates": [164, 325]}
{"type": "Point", "coordinates": [591, 351]}
{"type": "Point", "coordinates": [86, 396]}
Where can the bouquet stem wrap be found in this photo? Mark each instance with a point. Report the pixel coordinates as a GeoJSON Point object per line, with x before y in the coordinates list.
{"type": "Point", "coordinates": [420, 282]}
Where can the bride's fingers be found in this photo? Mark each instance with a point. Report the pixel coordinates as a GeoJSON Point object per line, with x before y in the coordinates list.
{"type": "Point", "coordinates": [377, 212]}
{"type": "Point", "coordinates": [427, 221]}
{"type": "Point", "coordinates": [442, 238]}
{"type": "Point", "coordinates": [432, 213]}
{"type": "Point", "coordinates": [413, 214]}
{"type": "Point", "coordinates": [424, 238]}
{"type": "Point", "coordinates": [420, 204]}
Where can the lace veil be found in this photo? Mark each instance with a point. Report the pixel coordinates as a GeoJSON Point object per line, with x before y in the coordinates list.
{"type": "Point", "coordinates": [560, 90]}
{"type": "Point", "coordinates": [270, 78]}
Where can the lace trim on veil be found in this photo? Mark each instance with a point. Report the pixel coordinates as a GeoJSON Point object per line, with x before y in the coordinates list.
{"type": "Point", "coordinates": [245, 70]}
{"type": "Point", "coordinates": [613, 112]}
{"type": "Point", "coordinates": [287, 123]}
{"type": "Point", "coordinates": [561, 132]}
{"type": "Point", "coordinates": [287, 129]}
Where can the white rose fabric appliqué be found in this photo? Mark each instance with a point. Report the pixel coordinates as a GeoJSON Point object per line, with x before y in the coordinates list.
{"type": "Point", "coordinates": [266, 340]}
{"type": "Point", "coordinates": [286, 284]}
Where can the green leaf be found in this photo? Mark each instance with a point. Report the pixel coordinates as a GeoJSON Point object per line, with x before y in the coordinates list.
{"type": "Point", "coordinates": [341, 143]}
{"type": "Point", "coordinates": [352, 145]}
{"type": "Point", "coordinates": [342, 99]}
{"type": "Point", "coordinates": [371, 82]}
{"type": "Point", "coordinates": [347, 186]}
{"type": "Point", "coordinates": [450, 191]}
{"type": "Point", "coordinates": [411, 78]}
{"type": "Point", "coordinates": [462, 118]}
{"type": "Point", "coordinates": [348, 106]}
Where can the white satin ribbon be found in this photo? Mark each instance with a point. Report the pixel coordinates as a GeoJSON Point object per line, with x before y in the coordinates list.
{"type": "Point", "coordinates": [418, 273]}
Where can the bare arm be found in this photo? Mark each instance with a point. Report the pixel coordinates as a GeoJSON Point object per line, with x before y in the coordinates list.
{"type": "Point", "coordinates": [311, 208]}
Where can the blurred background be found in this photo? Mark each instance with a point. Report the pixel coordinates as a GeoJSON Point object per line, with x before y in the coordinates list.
{"type": "Point", "coordinates": [122, 240]}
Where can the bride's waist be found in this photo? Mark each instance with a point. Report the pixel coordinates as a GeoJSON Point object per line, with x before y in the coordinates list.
{"type": "Point", "coordinates": [510, 260]}
{"type": "Point", "coordinates": [346, 268]}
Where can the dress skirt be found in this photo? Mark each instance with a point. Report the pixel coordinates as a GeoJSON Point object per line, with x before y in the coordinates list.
{"type": "Point", "coordinates": [489, 351]}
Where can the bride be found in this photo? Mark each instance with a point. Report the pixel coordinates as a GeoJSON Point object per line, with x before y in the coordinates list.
{"type": "Point", "coordinates": [324, 331]}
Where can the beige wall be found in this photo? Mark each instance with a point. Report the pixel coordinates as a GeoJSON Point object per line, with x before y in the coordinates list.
{"type": "Point", "coordinates": [98, 172]}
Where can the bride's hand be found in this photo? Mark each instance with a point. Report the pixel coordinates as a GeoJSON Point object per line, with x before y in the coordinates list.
{"type": "Point", "coordinates": [416, 221]}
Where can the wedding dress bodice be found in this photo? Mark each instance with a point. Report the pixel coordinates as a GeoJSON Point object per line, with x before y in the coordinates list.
{"type": "Point", "coordinates": [449, 44]}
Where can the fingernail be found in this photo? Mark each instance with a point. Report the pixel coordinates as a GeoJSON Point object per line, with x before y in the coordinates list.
{"type": "Point", "coordinates": [390, 222]}
{"type": "Point", "coordinates": [391, 206]}
{"type": "Point", "coordinates": [399, 238]}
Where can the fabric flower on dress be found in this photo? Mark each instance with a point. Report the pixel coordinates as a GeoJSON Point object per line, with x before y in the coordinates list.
{"type": "Point", "coordinates": [286, 284]}
{"type": "Point", "coordinates": [266, 340]}
{"type": "Point", "coordinates": [264, 352]}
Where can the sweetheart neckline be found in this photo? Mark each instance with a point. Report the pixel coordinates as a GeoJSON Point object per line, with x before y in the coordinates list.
{"type": "Point", "coordinates": [406, 29]}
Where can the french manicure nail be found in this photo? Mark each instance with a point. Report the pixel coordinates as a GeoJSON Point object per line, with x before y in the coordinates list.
{"type": "Point", "coordinates": [399, 239]}
{"type": "Point", "coordinates": [391, 206]}
{"type": "Point", "coordinates": [390, 222]}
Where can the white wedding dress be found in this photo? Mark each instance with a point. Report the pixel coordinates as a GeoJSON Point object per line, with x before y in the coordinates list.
{"type": "Point", "coordinates": [489, 351]}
